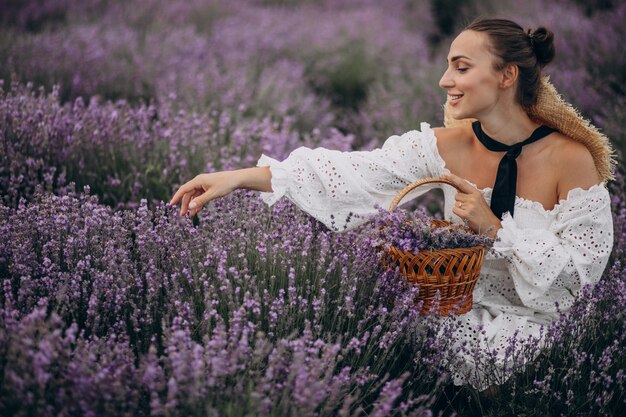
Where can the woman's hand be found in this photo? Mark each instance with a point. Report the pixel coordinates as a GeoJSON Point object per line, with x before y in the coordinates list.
{"type": "Point", "coordinates": [206, 187]}
{"type": "Point", "coordinates": [472, 207]}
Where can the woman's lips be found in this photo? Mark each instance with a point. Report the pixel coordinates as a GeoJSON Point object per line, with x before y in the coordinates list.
{"type": "Point", "coordinates": [454, 98]}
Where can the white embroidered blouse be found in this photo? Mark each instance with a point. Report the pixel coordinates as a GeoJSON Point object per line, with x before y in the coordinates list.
{"type": "Point", "coordinates": [540, 256]}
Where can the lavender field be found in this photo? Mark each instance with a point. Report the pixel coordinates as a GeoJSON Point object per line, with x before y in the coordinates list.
{"type": "Point", "coordinates": [113, 305]}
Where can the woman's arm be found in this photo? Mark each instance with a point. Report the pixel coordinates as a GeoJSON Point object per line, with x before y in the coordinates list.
{"type": "Point", "coordinates": [341, 189]}
{"type": "Point", "coordinates": [548, 265]}
{"type": "Point", "coordinates": [338, 188]}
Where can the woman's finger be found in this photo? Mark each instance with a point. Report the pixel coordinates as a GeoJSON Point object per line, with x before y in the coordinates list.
{"type": "Point", "coordinates": [459, 211]}
{"type": "Point", "coordinates": [198, 202]}
{"type": "Point", "coordinates": [184, 207]}
{"type": "Point", "coordinates": [195, 209]}
{"type": "Point", "coordinates": [462, 197]}
{"type": "Point", "coordinates": [460, 183]}
{"type": "Point", "coordinates": [185, 188]}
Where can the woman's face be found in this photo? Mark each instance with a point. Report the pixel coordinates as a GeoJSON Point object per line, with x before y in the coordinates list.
{"type": "Point", "coordinates": [470, 79]}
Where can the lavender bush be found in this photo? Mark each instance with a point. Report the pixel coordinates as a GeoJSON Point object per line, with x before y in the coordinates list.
{"type": "Point", "coordinates": [113, 305]}
{"type": "Point", "coordinates": [127, 153]}
{"type": "Point", "coordinates": [273, 67]}
{"type": "Point", "coordinates": [143, 312]}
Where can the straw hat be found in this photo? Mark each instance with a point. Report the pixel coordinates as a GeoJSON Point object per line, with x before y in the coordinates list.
{"type": "Point", "coordinates": [555, 112]}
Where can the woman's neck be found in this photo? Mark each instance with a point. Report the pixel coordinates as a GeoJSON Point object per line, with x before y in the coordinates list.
{"type": "Point", "coordinates": [509, 127]}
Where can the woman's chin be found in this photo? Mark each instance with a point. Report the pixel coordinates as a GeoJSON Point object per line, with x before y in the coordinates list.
{"type": "Point", "coordinates": [457, 115]}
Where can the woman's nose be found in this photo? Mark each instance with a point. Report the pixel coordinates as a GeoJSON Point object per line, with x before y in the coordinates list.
{"type": "Point", "coordinates": [445, 81]}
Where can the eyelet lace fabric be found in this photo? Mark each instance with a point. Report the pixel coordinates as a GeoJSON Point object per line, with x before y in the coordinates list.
{"type": "Point", "coordinates": [540, 257]}
{"type": "Point", "coordinates": [341, 188]}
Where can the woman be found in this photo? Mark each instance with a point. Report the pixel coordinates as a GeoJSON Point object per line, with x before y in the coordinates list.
{"type": "Point", "coordinates": [538, 187]}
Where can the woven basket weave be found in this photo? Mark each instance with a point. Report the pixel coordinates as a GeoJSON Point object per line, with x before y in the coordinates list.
{"type": "Point", "coordinates": [452, 273]}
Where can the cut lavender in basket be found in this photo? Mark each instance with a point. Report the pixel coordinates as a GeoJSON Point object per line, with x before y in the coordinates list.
{"type": "Point", "coordinates": [413, 231]}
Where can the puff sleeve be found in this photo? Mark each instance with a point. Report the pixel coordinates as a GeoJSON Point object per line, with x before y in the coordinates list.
{"type": "Point", "coordinates": [552, 265]}
{"type": "Point", "coordinates": [341, 189]}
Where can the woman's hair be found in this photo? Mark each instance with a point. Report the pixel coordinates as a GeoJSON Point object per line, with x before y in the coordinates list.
{"type": "Point", "coordinates": [530, 50]}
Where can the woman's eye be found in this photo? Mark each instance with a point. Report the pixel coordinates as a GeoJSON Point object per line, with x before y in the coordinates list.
{"type": "Point", "coordinates": [462, 69]}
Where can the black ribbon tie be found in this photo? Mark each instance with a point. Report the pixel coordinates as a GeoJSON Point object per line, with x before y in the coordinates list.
{"type": "Point", "coordinates": [504, 189]}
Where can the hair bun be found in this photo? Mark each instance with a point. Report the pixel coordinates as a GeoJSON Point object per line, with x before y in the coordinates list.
{"type": "Point", "coordinates": [543, 43]}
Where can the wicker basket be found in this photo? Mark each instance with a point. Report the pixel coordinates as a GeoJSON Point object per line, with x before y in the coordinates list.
{"type": "Point", "coordinates": [451, 272]}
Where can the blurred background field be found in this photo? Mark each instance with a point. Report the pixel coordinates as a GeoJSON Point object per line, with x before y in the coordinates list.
{"type": "Point", "coordinates": [267, 76]}
{"type": "Point", "coordinates": [132, 98]}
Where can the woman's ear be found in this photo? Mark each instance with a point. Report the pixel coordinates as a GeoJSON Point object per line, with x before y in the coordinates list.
{"type": "Point", "coordinates": [509, 76]}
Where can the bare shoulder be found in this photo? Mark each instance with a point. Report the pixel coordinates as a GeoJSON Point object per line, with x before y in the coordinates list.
{"type": "Point", "coordinates": [575, 165]}
{"type": "Point", "coordinates": [452, 141]}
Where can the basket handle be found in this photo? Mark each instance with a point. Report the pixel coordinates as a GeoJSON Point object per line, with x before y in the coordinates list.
{"type": "Point", "coordinates": [416, 184]}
